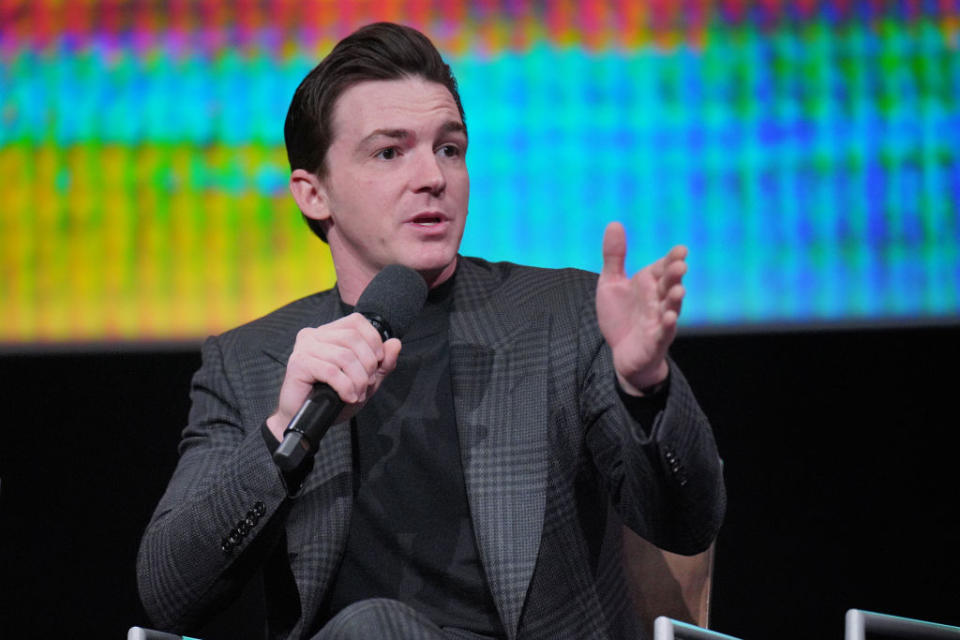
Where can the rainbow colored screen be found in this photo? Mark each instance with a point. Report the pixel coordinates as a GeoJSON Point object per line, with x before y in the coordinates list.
{"type": "Point", "coordinates": [808, 154]}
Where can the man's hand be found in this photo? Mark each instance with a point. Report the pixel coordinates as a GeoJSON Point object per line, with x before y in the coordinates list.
{"type": "Point", "coordinates": [347, 354]}
{"type": "Point", "coordinates": [638, 315]}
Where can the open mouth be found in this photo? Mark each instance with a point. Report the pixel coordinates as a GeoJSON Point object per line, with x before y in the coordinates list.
{"type": "Point", "coordinates": [428, 220]}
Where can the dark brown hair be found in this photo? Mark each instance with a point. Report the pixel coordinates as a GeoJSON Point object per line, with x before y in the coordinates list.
{"type": "Point", "coordinates": [379, 51]}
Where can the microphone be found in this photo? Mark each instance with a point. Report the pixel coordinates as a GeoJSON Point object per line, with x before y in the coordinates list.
{"type": "Point", "coordinates": [391, 302]}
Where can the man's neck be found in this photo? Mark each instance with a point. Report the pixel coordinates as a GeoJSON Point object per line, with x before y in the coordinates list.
{"type": "Point", "coordinates": [351, 283]}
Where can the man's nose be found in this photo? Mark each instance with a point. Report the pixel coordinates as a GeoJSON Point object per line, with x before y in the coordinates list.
{"type": "Point", "coordinates": [429, 176]}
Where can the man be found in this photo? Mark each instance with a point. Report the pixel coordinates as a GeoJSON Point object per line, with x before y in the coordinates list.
{"type": "Point", "coordinates": [464, 491]}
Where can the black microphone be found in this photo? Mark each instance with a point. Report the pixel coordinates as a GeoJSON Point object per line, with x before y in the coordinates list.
{"type": "Point", "coordinates": [391, 302]}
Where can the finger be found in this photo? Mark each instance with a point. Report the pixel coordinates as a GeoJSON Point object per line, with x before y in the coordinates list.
{"type": "Point", "coordinates": [668, 328]}
{"type": "Point", "coordinates": [360, 365]}
{"type": "Point", "coordinates": [678, 252]}
{"type": "Point", "coordinates": [614, 249]}
{"type": "Point", "coordinates": [348, 331]}
{"type": "Point", "coordinates": [324, 355]}
{"type": "Point", "coordinates": [391, 350]}
{"type": "Point", "coordinates": [356, 334]}
{"type": "Point", "coordinates": [333, 376]}
{"type": "Point", "coordinates": [340, 369]}
{"type": "Point", "coordinates": [672, 275]}
{"type": "Point", "coordinates": [674, 299]}
{"type": "Point", "coordinates": [676, 256]}
{"type": "Point", "coordinates": [673, 267]}
{"type": "Point", "coordinates": [344, 349]}
{"type": "Point", "coordinates": [656, 269]}
{"type": "Point", "coordinates": [370, 335]}
{"type": "Point", "coordinates": [670, 318]}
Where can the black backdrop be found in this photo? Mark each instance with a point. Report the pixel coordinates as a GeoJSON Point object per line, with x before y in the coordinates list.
{"type": "Point", "coordinates": [840, 451]}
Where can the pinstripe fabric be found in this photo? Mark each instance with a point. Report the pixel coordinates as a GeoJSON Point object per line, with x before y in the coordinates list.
{"type": "Point", "coordinates": [546, 447]}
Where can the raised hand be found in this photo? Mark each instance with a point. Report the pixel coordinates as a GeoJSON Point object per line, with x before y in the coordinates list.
{"type": "Point", "coordinates": [638, 315]}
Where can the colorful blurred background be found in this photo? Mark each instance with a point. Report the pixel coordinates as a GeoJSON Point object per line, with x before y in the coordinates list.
{"type": "Point", "coordinates": [807, 152]}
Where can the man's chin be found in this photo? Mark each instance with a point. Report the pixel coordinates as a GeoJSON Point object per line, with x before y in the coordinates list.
{"type": "Point", "coordinates": [435, 272]}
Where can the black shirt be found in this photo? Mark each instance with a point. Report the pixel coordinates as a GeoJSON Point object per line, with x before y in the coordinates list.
{"type": "Point", "coordinates": [411, 537]}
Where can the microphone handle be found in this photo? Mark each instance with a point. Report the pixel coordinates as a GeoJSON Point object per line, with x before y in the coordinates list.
{"type": "Point", "coordinates": [308, 426]}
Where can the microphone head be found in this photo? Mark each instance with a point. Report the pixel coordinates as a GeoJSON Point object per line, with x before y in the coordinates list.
{"type": "Point", "coordinates": [396, 296]}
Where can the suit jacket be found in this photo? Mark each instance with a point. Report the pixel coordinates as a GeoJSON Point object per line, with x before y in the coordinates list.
{"type": "Point", "coordinates": [546, 444]}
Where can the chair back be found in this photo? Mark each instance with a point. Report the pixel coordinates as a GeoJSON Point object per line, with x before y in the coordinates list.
{"type": "Point", "coordinates": [667, 584]}
{"type": "Point", "coordinates": [667, 629]}
{"type": "Point", "coordinates": [859, 624]}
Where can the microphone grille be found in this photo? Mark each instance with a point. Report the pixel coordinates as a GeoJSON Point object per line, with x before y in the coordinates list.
{"type": "Point", "coordinates": [396, 294]}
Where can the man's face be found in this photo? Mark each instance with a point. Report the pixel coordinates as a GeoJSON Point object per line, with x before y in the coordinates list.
{"type": "Point", "coordinates": [396, 187]}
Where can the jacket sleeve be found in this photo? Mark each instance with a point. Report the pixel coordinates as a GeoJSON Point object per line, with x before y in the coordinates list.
{"type": "Point", "coordinates": [222, 512]}
{"type": "Point", "coordinates": [665, 478]}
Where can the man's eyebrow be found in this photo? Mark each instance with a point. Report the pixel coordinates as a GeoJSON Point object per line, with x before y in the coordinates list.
{"type": "Point", "coordinates": [397, 134]}
{"type": "Point", "coordinates": [453, 126]}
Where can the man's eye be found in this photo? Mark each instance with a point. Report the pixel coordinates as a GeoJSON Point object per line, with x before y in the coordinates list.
{"type": "Point", "coordinates": [387, 154]}
{"type": "Point", "coordinates": [449, 150]}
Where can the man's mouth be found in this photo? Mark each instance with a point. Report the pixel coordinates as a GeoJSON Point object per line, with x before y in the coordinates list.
{"type": "Point", "coordinates": [428, 219]}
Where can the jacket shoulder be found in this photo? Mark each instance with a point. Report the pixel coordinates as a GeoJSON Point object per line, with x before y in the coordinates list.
{"type": "Point", "coordinates": [515, 284]}
{"type": "Point", "coordinates": [281, 325]}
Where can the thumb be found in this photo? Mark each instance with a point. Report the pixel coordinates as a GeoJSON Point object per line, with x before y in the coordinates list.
{"type": "Point", "coordinates": [391, 351]}
{"type": "Point", "coordinates": [614, 249]}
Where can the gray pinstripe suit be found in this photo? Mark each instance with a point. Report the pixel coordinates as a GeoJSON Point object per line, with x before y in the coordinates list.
{"type": "Point", "coordinates": [546, 446]}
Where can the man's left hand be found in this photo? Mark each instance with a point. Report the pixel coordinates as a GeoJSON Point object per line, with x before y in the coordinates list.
{"type": "Point", "coordinates": [638, 315]}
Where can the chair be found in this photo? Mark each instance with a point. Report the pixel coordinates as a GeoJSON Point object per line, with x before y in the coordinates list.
{"type": "Point", "coordinates": [859, 623]}
{"type": "Point", "coordinates": [142, 633]}
{"type": "Point", "coordinates": [665, 628]}
{"type": "Point", "coordinates": [667, 584]}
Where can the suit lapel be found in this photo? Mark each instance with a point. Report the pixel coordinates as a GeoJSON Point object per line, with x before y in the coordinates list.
{"type": "Point", "coordinates": [499, 367]}
{"type": "Point", "coordinates": [318, 523]}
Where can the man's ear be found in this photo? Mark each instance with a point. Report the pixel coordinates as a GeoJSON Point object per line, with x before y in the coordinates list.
{"type": "Point", "coordinates": [310, 194]}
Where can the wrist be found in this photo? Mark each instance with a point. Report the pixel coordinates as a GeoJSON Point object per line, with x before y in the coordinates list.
{"type": "Point", "coordinates": [646, 383]}
{"type": "Point", "coordinates": [277, 424]}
